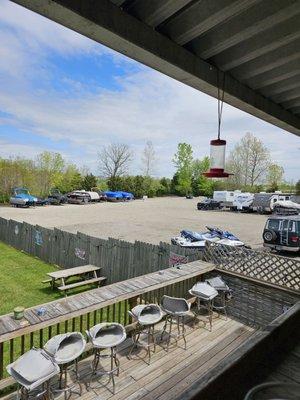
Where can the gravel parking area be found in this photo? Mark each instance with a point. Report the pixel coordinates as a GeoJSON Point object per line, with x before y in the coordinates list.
{"type": "Point", "coordinates": [152, 220]}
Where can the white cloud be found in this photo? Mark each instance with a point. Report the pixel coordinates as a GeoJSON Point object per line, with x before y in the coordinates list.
{"type": "Point", "coordinates": [148, 105]}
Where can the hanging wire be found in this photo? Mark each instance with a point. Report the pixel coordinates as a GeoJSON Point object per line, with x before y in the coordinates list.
{"type": "Point", "coordinates": [220, 100]}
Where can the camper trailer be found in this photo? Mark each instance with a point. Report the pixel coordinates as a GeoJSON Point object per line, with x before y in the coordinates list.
{"type": "Point", "coordinates": [265, 202]}
{"type": "Point", "coordinates": [243, 202]}
{"type": "Point", "coordinates": [226, 197]}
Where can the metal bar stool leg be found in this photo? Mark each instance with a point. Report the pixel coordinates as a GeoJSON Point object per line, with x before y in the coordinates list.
{"type": "Point", "coordinates": [111, 373]}
{"type": "Point", "coordinates": [170, 331]}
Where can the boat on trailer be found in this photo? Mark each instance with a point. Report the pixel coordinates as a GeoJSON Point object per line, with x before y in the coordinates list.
{"type": "Point", "coordinates": [22, 198]}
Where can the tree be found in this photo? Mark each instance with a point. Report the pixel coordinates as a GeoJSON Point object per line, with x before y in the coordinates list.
{"type": "Point", "coordinates": [200, 184]}
{"type": "Point", "coordinates": [183, 161]}
{"type": "Point", "coordinates": [50, 166]}
{"type": "Point", "coordinates": [298, 188]}
{"type": "Point", "coordinates": [148, 159]}
{"type": "Point", "coordinates": [71, 179]}
{"type": "Point", "coordinates": [249, 161]}
{"type": "Point", "coordinates": [89, 181]}
{"type": "Point", "coordinates": [114, 160]}
{"type": "Point", "coordinates": [274, 177]}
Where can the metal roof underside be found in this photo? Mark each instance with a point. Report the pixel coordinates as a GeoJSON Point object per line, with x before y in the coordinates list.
{"type": "Point", "coordinates": [255, 43]}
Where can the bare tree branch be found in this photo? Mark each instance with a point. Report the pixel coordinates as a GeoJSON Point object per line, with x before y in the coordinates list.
{"type": "Point", "coordinates": [114, 160]}
{"type": "Point", "coordinates": [148, 159]}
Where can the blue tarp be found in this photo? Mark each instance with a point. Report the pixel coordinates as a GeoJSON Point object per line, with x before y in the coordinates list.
{"type": "Point", "coordinates": [119, 195]}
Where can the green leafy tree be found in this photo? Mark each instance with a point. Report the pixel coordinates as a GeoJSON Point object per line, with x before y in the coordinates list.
{"type": "Point", "coordinates": [50, 168]}
{"type": "Point", "coordinates": [165, 187]}
{"type": "Point", "coordinates": [201, 185]}
{"type": "Point", "coordinates": [183, 161]}
{"type": "Point", "coordinates": [89, 182]}
{"type": "Point", "coordinates": [297, 187]}
{"type": "Point", "coordinates": [274, 177]}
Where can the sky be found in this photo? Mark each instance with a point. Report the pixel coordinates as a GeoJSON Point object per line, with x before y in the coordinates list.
{"type": "Point", "coordinates": [63, 92]}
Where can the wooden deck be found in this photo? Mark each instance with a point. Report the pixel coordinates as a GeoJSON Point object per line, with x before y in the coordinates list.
{"type": "Point", "coordinates": [92, 300]}
{"type": "Point", "coordinates": [169, 373]}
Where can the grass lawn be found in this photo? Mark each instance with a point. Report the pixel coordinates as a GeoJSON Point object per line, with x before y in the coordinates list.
{"type": "Point", "coordinates": [21, 280]}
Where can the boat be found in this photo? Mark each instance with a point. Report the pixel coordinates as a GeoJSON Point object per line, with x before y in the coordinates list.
{"type": "Point", "coordinates": [78, 197]}
{"type": "Point", "coordinates": [190, 239]}
{"type": "Point", "coordinates": [56, 197]}
{"type": "Point", "coordinates": [127, 195]}
{"type": "Point", "coordinates": [114, 196]}
{"type": "Point", "coordinates": [22, 198]}
{"type": "Point", "coordinates": [286, 207]}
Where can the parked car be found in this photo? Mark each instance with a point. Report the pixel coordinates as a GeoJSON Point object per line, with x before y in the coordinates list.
{"type": "Point", "coordinates": [209, 204]}
{"type": "Point", "coordinates": [282, 233]}
{"type": "Point", "coordinates": [22, 198]}
{"type": "Point", "coordinates": [56, 197]}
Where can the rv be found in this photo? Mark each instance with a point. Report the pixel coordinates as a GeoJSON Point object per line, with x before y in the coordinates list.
{"type": "Point", "coordinates": [243, 202]}
{"type": "Point", "coordinates": [226, 197]}
{"type": "Point", "coordinates": [265, 202]}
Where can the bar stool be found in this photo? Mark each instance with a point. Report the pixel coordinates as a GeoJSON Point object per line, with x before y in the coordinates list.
{"type": "Point", "coordinates": [65, 349]}
{"type": "Point", "coordinates": [33, 371]}
{"type": "Point", "coordinates": [205, 296]}
{"type": "Point", "coordinates": [146, 316]}
{"type": "Point", "coordinates": [224, 294]}
{"type": "Point", "coordinates": [176, 310]}
{"type": "Point", "coordinates": [106, 335]}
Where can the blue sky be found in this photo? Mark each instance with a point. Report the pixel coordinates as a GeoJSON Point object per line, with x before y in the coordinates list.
{"type": "Point", "coordinates": [63, 92]}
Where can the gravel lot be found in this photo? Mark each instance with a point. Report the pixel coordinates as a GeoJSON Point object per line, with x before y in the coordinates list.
{"type": "Point", "coordinates": [152, 220]}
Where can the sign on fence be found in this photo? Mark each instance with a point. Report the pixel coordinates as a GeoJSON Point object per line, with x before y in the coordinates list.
{"type": "Point", "coordinates": [38, 239]}
{"type": "Point", "coordinates": [176, 259]}
{"type": "Point", "coordinates": [79, 253]}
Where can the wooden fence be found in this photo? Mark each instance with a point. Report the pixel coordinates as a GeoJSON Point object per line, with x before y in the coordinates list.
{"type": "Point", "coordinates": [119, 260]}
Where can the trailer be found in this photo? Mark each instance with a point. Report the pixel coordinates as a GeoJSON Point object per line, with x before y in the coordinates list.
{"type": "Point", "coordinates": [264, 203]}
{"type": "Point", "coordinates": [225, 197]}
{"type": "Point", "coordinates": [243, 202]}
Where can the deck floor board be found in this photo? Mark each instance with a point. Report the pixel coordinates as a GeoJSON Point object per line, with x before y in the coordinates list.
{"type": "Point", "coordinates": [169, 373]}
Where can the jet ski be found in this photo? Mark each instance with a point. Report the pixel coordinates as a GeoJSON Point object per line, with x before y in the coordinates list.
{"type": "Point", "coordinates": [198, 240]}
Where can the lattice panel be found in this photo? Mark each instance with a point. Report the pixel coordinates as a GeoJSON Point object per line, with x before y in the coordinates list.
{"type": "Point", "coordinates": [278, 270]}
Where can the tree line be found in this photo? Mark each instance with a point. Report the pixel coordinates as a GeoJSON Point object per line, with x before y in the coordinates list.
{"type": "Point", "coordinates": [249, 161]}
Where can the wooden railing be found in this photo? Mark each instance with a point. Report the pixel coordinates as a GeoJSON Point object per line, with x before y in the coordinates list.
{"type": "Point", "coordinates": [81, 312]}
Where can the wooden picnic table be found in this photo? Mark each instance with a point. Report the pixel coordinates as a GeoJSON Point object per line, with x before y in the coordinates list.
{"type": "Point", "coordinates": [64, 274]}
{"type": "Point", "coordinates": [83, 303]}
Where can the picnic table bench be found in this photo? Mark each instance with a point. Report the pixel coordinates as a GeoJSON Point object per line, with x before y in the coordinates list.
{"type": "Point", "coordinates": [82, 272]}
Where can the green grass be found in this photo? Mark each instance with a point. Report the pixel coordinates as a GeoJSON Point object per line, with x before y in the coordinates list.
{"type": "Point", "coordinates": [21, 280]}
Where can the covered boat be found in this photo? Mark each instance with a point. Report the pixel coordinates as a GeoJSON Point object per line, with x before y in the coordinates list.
{"type": "Point", "coordinates": [114, 196]}
{"type": "Point", "coordinates": [127, 195]}
{"type": "Point", "coordinates": [93, 196]}
{"type": "Point", "coordinates": [78, 197]}
{"type": "Point", "coordinates": [22, 198]}
{"type": "Point", "coordinates": [286, 207]}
